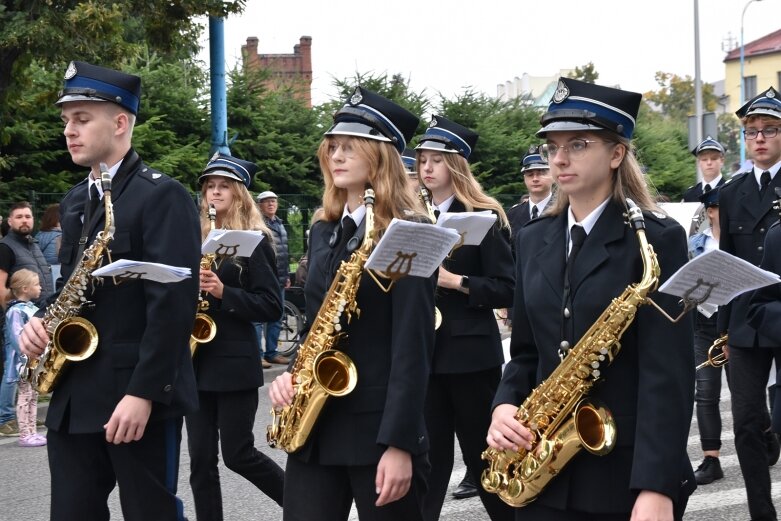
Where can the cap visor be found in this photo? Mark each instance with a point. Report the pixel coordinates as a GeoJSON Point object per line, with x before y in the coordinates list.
{"type": "Point", "coordinates": [564, 126]}
{"type": "Point", "coordinates": [220, 173]}
{"type": "Point", "coordinates": [436, 145]}
{"type": "Point", "coordinates": [536, 166]}
{"type": "Point", "coordinates": [76, 97]}
{"type": "Point", "coordinates": [353, 128]}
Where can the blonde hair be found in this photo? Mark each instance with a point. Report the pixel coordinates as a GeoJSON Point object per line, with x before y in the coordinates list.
{"type": "Point", "coordinates": [242, 215]}
{"type": "Point", "coordinates": [21, 279]}
{"type": "Point", "coordinates": [466, 187]}
{"type": "Point", "coordinates": [387, 177]}
{"type": "Point", "coordinates": [628, 180]}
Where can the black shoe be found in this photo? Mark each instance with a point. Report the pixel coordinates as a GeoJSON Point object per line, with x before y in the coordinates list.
{"type": "Point", "coordinates": [466, 488]}
{"type": "Point", "coordinates": [708, 471]}
{"type": "Point", "coordinates": [773, 447]}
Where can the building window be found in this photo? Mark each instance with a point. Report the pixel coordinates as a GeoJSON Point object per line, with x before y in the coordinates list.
{"type": "Point", "coordinates": [750, 86]}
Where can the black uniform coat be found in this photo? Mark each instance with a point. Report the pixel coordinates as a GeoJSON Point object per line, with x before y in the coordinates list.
{"type": "Point", "coordinates": [231, 361]}
{"type": "Point", "coordinates": [650, 385]}
{"type": "Point", "coordinates": [391, 344]}
{"type": "Point", "coordinates": [745, 219]}
{"type": "Point", "coordinates": [764, 312]}
{"type": "Point", "coordinates": [468, 339]}
{"type": "Point", "coordinates": [143, 326]}
{"type": "Point", "coordinates": [693, 193]}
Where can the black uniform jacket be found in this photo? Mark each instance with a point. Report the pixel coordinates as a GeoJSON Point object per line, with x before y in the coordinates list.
{"type": "Point", "coordinates": [519, 215]}
{"type": "Point", "coordinates": [391, 344]}
{"type": "Point", "coordinates": [764, 312]}
{"type": "Point", "coordinates": [745, 219]}
{"type": "Point", "coordinates": [693, 193]}
{"type": "Point", "coordinates": [468, 339]}
{"type": "Point", "coordinates": [649, 387]}
{"type": "Point", "coordinates": [143, 326]}
{"type": "Point", "coordinates": [231, 361]}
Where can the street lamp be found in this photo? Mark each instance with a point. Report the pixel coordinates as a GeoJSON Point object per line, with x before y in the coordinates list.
{"type": "Point", "coordinates": [743, 79]}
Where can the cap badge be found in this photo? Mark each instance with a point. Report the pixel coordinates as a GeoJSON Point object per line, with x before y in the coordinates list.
{"type": "Point", "coordinates": [533, 149]}
{"type": "Point", "coordinates": [770, 94]}
{"type": "Point", "coordinates": [433, 123]}
{"type": "Point", "coordinates": [356, 97]}
{"type": "Point", "coordinates": [562, 92]}
{"type": "Point", "coordinates": [70, 72]}
{"type": "Point", "coordinates": [215, 156]}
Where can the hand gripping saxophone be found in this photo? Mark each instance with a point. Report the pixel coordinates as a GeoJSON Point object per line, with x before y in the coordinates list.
{"type": "Point", "coordinates": [72, 338]}
{"type": "Point", "coordinates": [204, 327]}
{"type": "Point", "coordinates": [558, 412]}
{"type": "Point", "coordinates": [320, 370]}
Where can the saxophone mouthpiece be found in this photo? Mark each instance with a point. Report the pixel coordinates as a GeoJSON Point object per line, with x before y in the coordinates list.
{"type": "Point", "coordinates": [212, 212]}
{"type": "Point", "coordinates": [634, 215]}
{"type": "Point", "coordinates": [105, 178]}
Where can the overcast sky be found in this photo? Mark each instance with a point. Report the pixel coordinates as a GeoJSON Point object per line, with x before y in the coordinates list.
{"type": "Point", "coordinates": [445, 46]}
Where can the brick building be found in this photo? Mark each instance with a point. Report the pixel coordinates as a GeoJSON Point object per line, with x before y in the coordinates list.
{"type": "Point", "coordinates": [286, 69]}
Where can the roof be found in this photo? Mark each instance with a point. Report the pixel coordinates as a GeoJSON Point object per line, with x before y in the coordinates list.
{"type": "Point", "coordinates": [768, 44]}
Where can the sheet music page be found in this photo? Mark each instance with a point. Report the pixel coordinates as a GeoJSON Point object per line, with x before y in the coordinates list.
{"type": "Point", "coordinates": [231, 243]}
{"type": "Point", "coordinates": [126, 268]}
{"type": "Point", "coordinates": [724, 275]}
{"type": "Point", "coordinates": [472, 225]}
{"type": "Point", "coordinates": [420, 246]}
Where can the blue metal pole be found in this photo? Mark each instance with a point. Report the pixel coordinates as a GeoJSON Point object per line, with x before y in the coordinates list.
{"type": "Point", "coordinates": [219, 98]}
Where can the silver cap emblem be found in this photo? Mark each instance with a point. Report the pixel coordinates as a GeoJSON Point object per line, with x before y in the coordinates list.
{"type": "Point", "coordinates": [356, 98]}
{"type": "Point", "coordinates": [770, 94]}
{"type": "Point", "coordinates": [562, 92]}
{"type": "Point", "coordinates": [433, 122]}
{"type": "Point", "coordinates": [70, 72]}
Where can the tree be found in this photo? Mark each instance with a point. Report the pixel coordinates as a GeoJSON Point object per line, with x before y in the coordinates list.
{"type": "Point", "coordinates": [586, 73]}
{"type": "Point", "coordinates": [675, 96]}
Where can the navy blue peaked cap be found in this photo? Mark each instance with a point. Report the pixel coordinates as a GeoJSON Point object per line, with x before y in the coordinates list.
{"type": "Point", "coordinates": [409, 159]}
{"type": "Point", "coordinates": [446, 136]}
{"type": "Point", "coordinates": [710, 198]}
{"type": "Point", "coordinates": [371, 116]}
{"type": "Point", "coordinates": [708, 144]}
{"type": "Point", "coordinates": [533, 160]}
{"type": "Point", "coordinates": [577, 105]}
{"type": "Point", "coordinates": [230, 167]}
{"type": "Point", "coordinates": [764, 104]}
{"type": "Point", "coordinates": [87, 82]}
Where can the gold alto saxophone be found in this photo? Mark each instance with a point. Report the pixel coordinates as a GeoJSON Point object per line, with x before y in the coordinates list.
{"type": "Point", "coordinates": [558, 412]}
{"type": "Point", "coordinates": [320, 369]}
{"type": "Point", "coordinates": [425, 197]}
{"type": "Point", "coordinates": [204, 328]}
{"type": "Point", "coordinates": [72, 338]}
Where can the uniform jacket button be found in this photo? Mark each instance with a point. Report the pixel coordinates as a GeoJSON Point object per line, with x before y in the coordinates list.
{"type": "Point", "coordinates": [740, 227]}
{"type": "Point", "coordinates": [760, 248]}
{"type": "Point", "coordinates": [168, 388]}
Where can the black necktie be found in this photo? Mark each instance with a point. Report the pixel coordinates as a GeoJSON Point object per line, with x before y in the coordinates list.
{"type": "Point", "coordinates": [339, 253]}
{"type": "Point", "coordinates": [436, 214]}
{"type": "Point", "coordinates": [706, 189]}
{"type": "Point", "coordinates": [535, 211]}
{"type": "Point", "coordinates": [577, 235]}
{"type": "Point", "coordinates": [94, 199]}
{"type": "Point", "coordinates": [764, 182]}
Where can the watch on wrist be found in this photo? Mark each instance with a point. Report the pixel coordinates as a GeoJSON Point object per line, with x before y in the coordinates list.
{"type": "Point", "coordinates": [464, 282]}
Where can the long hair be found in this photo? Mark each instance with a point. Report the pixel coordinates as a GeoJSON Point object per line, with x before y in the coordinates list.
{"type": "Point", "coordinates": [387, 177]}
{"type": "Point", "coordinates": [50, 218]}
{"type": "Point", "coordinates": [242, 215]}
{"type": "Point", "coordinates": [466, 187]}
{"type": "Point", "coordinates": [21, 279]}
{"type": "Point", "coordinates": [628, 180]}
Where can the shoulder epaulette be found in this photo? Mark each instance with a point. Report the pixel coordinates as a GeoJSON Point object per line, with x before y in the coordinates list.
{"type": "Point", "coordinates": [151, 175]}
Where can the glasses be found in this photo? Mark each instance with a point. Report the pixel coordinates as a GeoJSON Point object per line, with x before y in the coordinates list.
{"type": "Point", "coordinates": [347, 149]}
{"type": "Point", "coordinates": [574, 149]}
{"type": "Point", "coordinates": [768, 132]}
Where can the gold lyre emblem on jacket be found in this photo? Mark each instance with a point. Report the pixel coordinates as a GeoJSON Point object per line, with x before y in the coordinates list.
{"type": "Point", "coordinates": [72, 338]}
{"type": "Point", "coordinates": [558, 412]}
{"type": "Point", "coordinates": [320, 370]}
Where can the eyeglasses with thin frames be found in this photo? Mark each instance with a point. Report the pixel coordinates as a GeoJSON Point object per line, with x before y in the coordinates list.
{"type": "Point", "coordinates": [575, 149]}
{"type": "Point", "coordinates": [768, 132]}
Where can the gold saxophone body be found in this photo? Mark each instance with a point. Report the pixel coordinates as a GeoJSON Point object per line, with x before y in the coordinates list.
{"type": "Point", "coordinates": [320, 370]}
{"type": "Point", "coordinates": [72, 338]}
{"type": "Point", "coordinates": [204, 327]}
{"type": "Point", "coordinates": [558, 412]}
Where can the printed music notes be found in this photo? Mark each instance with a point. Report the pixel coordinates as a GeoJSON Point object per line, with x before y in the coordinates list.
{"type": "Point", "coordinates": [410, 248]}
{"type": "Point", "coordinates": [229, 243]}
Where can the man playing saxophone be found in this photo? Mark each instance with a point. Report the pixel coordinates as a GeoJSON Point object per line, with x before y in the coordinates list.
{"type": "Point", "coordinates": [115, 418]}
{"type": "Point", "coordinates": [571, 266]}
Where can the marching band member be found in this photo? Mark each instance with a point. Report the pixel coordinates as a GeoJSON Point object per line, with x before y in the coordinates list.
{"type": "Point", "coordinates": [116, 417]}
{"type": "Point", "coordinates": [649, 386]}
{"type": "Point", "coordinates": [371, 444]}
{"type": "Point", "coordinates": [710, 158]}
{"type": "Point", "coordinates": [239, 291]}
{"type": "Point", "coordinates": [468, 353]}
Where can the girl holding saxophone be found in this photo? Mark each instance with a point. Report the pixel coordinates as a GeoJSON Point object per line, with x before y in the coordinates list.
{"type": "Point", "coordinates": [239, 291]}
{"type": "Point", "coordinates": [649, 386]}
{"type": "Point", "coordinates": [369, 445]}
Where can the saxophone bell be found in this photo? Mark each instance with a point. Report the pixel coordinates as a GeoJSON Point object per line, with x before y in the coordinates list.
{"type": "Point", "coordinates": [204, 327]}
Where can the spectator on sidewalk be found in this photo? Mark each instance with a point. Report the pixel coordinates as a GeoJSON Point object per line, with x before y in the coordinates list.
{"type": "Point", "coordinates": [49, 238]}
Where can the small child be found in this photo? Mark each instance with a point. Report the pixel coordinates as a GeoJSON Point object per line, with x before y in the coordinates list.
{"type": "Point", "coordinates": [25, 287]}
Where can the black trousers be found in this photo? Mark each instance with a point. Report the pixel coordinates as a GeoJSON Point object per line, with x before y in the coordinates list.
{"type": "Point", "coordinates": [326, 492]}
{"type": "Point", "coordinates": [748, 374]}
{"type": "Point", "coordinates": [460, 404]}
{"type": "Point", "coordinates": [537, 512]}
{"type": "Point", "coordinates": [707, 391]}
{"type": "Point", "coordinates": [85, 469]}
{"type": "Point", "coordinates": [227, 418]}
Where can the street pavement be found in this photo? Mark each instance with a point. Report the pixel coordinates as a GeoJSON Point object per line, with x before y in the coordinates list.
{"type": "Point", "coordinates": [25, 491]}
